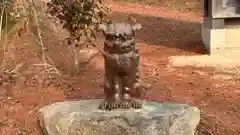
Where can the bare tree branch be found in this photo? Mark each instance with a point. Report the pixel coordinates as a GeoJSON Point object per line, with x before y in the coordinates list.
{"type": "Point", "coordinates": [1, 17]}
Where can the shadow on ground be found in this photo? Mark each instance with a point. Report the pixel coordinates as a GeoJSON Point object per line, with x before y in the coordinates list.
{"type": "Point", "coordinates": [166, 32]}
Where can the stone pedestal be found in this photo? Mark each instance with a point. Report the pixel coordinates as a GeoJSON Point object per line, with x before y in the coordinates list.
{"type": "Point", "coordinates": [221, 26]}
{"type": "Point", "coordinates": [221, 40]}
{"type": "Point", "coordinates": [83, 118]}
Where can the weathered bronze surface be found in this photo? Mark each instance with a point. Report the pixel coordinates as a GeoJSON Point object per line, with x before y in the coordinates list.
{"type": "Point", "coordinates": [122, 79]}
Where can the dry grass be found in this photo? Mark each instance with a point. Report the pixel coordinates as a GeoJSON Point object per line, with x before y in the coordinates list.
{"type": "Point", "coordinates": [29, 24]}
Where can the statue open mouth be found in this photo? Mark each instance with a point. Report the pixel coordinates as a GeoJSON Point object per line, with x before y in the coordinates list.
{"type": "Point", "coordinates": [126, 48]}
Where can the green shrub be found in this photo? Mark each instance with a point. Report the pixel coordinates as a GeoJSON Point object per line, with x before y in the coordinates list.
{"type": "Point", "coordinates": [80, 17]}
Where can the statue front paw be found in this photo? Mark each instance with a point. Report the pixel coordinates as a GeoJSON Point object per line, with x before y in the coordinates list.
{"type": "Point", "coordinates": [137, 104]}
{"type": "Point", "coordinates": [110, 105]}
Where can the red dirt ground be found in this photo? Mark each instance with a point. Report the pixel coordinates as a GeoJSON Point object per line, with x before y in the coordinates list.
{"type": "Point", "coordinates": [163, 34]}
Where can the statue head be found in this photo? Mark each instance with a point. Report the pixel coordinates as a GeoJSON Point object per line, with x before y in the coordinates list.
{"type": "Point", "coordinates": [120, 36]}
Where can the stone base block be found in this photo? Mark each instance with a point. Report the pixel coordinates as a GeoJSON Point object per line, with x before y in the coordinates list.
{"type": "Point", "coordinates": [83, 118]}
{"type": "Point", "coordinates": [221, 40]}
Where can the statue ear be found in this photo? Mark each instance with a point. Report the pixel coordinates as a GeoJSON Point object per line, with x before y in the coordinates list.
{"type": "Point", "coordinates": [137, 26]}
{"type": "Point", "coordinates": [102, 27]}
